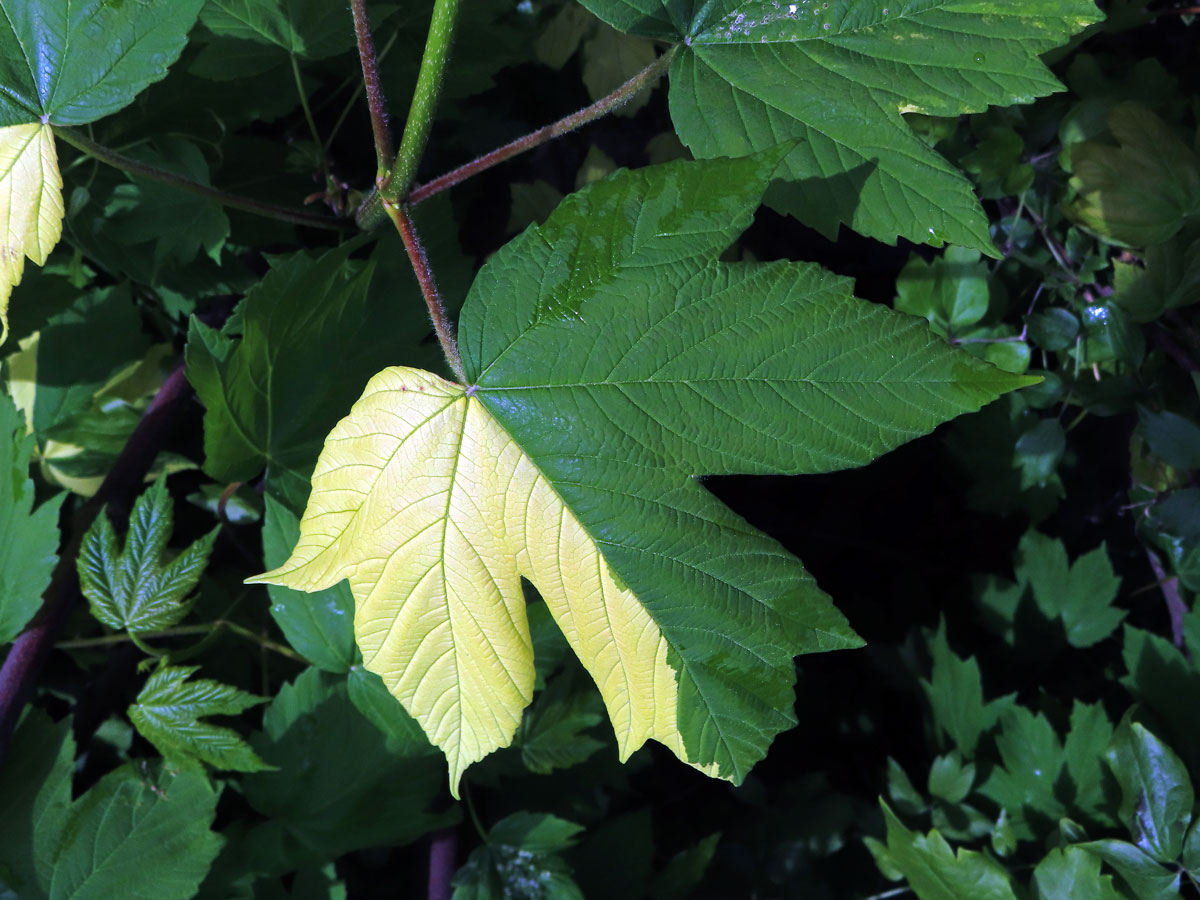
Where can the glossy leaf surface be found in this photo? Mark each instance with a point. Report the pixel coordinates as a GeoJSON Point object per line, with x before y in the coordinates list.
{"type": "Point", "coordinates": [168, 710]}
{"type": "Point", "coordinates": [839, 75]}
{"type": "Point", "coordinates": [74, 61]}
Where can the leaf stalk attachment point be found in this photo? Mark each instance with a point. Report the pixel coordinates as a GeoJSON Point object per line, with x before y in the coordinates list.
{"type": "Point", "coordinates": [234, 201]}
{"type": "Point", "coordinates": [433, 300]}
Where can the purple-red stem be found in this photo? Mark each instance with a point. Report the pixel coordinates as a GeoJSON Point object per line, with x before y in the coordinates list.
{"type": "Point", "coordinates": [443, 859]}
{"type": "Point", "coordinates": [617, 98]}
{"type": "Point", "coordinates": [433, 300]}
{"type": "Point", "coordinates": [384, 152]}
{"type": "Point", "coordinates": [28, 653]}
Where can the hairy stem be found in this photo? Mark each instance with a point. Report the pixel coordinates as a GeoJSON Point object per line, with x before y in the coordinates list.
{"type": "Point", "coordinates": [425, 97]}
{"type": "Point", "coordinates": [622, 95]}
{"type": "Point", "coordinates": [433, 300]}
{"type": "Point", "coordinates": [235, 201]}
{"type": "Point", "coordinates": [375, 101]}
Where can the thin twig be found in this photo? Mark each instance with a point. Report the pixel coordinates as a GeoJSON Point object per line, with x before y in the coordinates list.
{"type": "Point", "coordinates": [28, 653]}
{"type": "Point", "coordinates": [308, 117]}
{"type": "Point", "coordinates": [349, 105]}
{"type": "Point", "coordinates": [236, 201]}
{"type": "Point", "coordinates": [604, 105]}
{"type": "Point", "coordinates": [384, 153]}
{"type": "Point", "coordinates": [433, 300]}
{"type": "Point", "coordinates": [1176, 607]}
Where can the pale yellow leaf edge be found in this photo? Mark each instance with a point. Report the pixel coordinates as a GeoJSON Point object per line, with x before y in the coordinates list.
{"type": "Point", "coordinates": [31, 204]}
{"type": "Point", "coordinates": [455, 648]}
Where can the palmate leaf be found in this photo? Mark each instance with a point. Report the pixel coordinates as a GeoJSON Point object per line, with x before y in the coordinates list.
{"type": "Point", "coordinates": [611, 359]}
{"type": "Point", "coordinates": [130, 587]}
{"type": "Point", "coordinates": [168, 712]}
{"type": "Point", "coordinates": [839, 75]}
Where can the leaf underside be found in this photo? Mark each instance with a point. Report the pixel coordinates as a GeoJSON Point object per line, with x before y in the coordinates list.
{"type": "Point", "coordinates": [611, 360]}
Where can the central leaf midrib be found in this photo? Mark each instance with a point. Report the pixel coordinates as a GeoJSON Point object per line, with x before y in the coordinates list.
{"type": "Point", "coordinates": [685, 665]}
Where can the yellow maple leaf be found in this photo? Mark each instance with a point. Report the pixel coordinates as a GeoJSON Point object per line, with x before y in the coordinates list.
{"type": "Point", "coordinates": [31, 206]}
{"type": "Point", "coordinates": [431, 510]}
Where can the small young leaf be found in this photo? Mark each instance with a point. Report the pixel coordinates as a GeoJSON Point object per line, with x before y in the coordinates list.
{"type": "Point", "coordinates": [130, 588]}
{"type": "Point", "coordinates": [950, 779]}
{"type": "Point", "coordinates": [1157, 793]}
{"type": "Point", "coordinates": [168, 709]}
{"type": "Point", "coordinates": [28, 538]}
{"type": "Point", "coordinates": [134, 836]}
{"type": "Point", "coordinates": [933, 870]}
{"type": "Point", "coordinates": [955, 692]}
{"type": "Point", "coordinates": [553, 732]}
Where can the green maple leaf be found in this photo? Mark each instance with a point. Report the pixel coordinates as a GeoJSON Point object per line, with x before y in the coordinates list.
{"type": "Point", "coordinates": [168, 710]}
{"type": "Point", "coordinates": [1080, 593]}
{"type": "Point", "coordinates": [130, 588]}
{"type": "Point", "coordinates": [611, 359]}
{"type": "Point", "coordinates": [840, 75]}
{"type": "Point", "coordinates": [933, 870]}
{"type": "Point", "coordinates": [28, 538]}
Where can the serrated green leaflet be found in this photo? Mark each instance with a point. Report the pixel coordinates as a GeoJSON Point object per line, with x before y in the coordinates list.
{"type": "Point", "coordinates": [74, 61]}
{"type": "Point", "coordinates": [168, 711]}
{"type": "Point", "coordinates": [839, 75]}
{"type": "Point", "coordinates": [1079, 593]}
{"type": "Point", "coordinates": [612, 360]}
{"type": "Point", "coordinates": [935, 872]}
{"type": "Point", "coordinates": [129, 587]}
{"type": "Point", "coordinates": [28, 537]}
